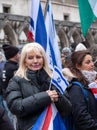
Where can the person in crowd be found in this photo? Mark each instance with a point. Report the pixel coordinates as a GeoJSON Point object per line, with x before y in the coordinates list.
{"type": "Point", "coordinates": [67, 53]}
{"type": "Point", "coordinates": [12, 55]}
{"type": "Point", "coordinates": [5, 123]}
{"type": "Point", "coordinates": [2, 63]}
{"type": "Point", "coordinates": [73, 46]}
{"type": "Point", "coordinates": [83, 45]}
{"type": "Point", "coordinates": [81, 69]}
{"type": "Point", "coordinates": [93, 50]}
{"type": "Point", "coordinates": [80, 47]}
{"type": "Point", "coordinates": [29, 91]}
{"type": "Point", "coordinates": [63, 60]}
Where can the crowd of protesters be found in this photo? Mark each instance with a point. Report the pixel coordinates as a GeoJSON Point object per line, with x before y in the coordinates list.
{"type": "Point", "coordinates": [25, 89]}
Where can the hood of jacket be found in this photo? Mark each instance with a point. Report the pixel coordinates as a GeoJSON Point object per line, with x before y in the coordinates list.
{"type": "Point", "coordinates": [68, 74]}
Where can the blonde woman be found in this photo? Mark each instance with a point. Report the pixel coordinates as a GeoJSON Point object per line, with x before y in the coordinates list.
{"type": "Point", "coordinates": [28, 91]}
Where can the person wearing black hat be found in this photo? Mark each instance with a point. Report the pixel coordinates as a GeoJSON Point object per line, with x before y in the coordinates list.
{"type": "Point", "coordinates": [10, 51]}
{"type": "Point", "coordinates": [12, 55]}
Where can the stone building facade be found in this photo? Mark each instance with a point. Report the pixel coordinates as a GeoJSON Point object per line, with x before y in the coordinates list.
{"type": "Point", "coordinates": [15, 17]}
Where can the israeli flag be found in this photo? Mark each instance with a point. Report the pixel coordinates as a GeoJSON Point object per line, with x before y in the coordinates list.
{"type": "Point", "coordinates": [59, 80]}
{"type": "Point", "coordinates": [37, 30]}
{"type": "Point", "coordinates": [52, 50]}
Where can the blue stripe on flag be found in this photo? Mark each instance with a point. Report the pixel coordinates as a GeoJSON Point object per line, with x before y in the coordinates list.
{"type": "Point", "coordinates": [58, 71]}
{"type": "Point", "coordinates": [41, 35]}
{"type": "Point", "coordinates": [39, 123]}
{"type": "Point", "coordinates": [48, 8]}
{"type": "Point", "coordinates": [53, 25]}
{"type": "Point", "coordinates": [58, 123]}
{"type": "Point", "coordinates": [52, 41]}
{"type": "Point", "coordinates": [57, 85]}
{"type": "Point", "coordinates": [52, 53]}
{"type": "Point", "coordinates": [32, 23]}
{"type": "Point", "coordinates": [59, 80]}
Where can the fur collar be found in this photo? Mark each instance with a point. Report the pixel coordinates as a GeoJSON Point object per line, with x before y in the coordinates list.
{"type": "Point", "coordinates": [68, 74]}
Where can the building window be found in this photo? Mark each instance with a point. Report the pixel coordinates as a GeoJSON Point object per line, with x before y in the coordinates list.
{"type": "Point", "coordinates": [6, 8]}
{"type": "Point", "coordinates": [66, 17]}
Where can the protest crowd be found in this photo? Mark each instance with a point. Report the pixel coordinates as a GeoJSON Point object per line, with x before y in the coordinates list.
{"type": "Point", "coordinates": [43, 88]}
{"type": "Point", "coordinates": [28, 87]}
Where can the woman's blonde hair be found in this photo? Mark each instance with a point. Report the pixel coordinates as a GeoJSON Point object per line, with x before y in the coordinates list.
{"type": "Point", "coordinates": [34, 47]}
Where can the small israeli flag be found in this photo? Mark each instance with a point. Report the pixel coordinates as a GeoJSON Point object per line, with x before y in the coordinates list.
{"type": "Point", "coordinates": [59, 80]}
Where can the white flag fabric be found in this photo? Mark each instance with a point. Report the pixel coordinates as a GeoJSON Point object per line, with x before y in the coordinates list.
{"type": "Point", "coordinates": [44, 32]}
{"type": "Point", "coordinates": [52, 50]}
{"type": "Point", "coordinates": [93, 87]}
{"type": "Point", "coordinates": [49, 119]}
{"type": "Point", "coordinates": [59, 80]}
{"type": "Point", "coordinates": [37, 30]}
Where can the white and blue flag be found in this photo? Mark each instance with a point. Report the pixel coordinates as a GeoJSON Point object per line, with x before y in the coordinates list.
{"type": "Point", "coordinates": [52, 50]}
{"type": "Point", "coordinates": [43, 32]}
{"type": "Point", "coordinates": [59, 80]}
{"type": "Point", "coordinates": [37, 30]}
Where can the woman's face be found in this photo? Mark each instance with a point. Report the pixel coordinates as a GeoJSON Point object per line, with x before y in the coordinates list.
{"type": "Point", "coordinates": [34, 60]}
{"type": "Point", "coordinates": [87, 64]}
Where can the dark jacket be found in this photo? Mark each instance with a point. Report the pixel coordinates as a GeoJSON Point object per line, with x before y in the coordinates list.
{"type": "Point", "coordinates": [28, 98]}
{"type": "Point", "coordinates": [5, 123]}
{"type": "Point", "coordinates": [2, 64]}
{"type": "Point", "coordinates": [9, 69]}
{"type": "Point", "coordinates": [84, 112]}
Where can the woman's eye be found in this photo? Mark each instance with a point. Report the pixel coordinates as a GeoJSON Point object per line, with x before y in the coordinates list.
{"type": "Point", "coordinates": [30, 57]}
{"type": "Point", "coordinates": [88, 62]}
{"type": "Point", "coordinates": [38, 57]}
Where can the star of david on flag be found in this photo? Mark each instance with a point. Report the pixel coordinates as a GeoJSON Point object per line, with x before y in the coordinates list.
{"type": "Point", "coordinates": [59, 80]}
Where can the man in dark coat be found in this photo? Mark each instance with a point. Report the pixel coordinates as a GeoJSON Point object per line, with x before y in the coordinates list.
{"type": "Point", "coordinates": [12, 55]}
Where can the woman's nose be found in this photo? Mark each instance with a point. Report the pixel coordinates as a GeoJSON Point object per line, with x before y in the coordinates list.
{"type": "Point", "coordinates": [92, 63]}
{"type": "Point", "coordinates": [35, 59]}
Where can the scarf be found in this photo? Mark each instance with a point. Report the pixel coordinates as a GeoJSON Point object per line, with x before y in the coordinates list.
{"type": "Point", "coordinates": [91, 77]}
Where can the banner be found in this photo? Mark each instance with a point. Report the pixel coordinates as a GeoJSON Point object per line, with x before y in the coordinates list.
{"type": "Point", "coordinates": [88, 13]}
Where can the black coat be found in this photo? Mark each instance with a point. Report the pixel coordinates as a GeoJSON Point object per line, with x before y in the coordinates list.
{"type": "Point", "coordinates": [9, 69]}
{"type": "Point", "coordinates": [28, 98]}
{"type": "Point", "coordinates": [84, 113]}
{"type": "Point", "coordinates": [5, 123]}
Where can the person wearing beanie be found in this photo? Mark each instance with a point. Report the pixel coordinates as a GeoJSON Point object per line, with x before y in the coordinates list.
{"type": "Point", "coordinates": [12, 55]}
{"type": "Point", "coordinates": [80, 47]}
{"type": "Point", "coordinates": [67, 53]}
{"type": "Point", "coordinates": [9, 51]}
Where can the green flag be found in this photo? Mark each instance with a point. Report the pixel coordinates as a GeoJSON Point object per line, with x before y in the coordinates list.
{"type": "Point", "coordinates": [88, 13]}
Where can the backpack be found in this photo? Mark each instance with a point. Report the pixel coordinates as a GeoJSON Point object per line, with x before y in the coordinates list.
{"type": "Point", "coordinates": [68, 120]}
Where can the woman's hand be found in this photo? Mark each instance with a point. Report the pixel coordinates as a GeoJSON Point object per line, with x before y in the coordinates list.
{"type": "Point", "coordinates": [53, 95]}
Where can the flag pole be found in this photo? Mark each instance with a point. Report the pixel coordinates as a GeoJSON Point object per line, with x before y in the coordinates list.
{"type": "Point", "coordinates": [51, 80]}
{"type": "Point", "coordinates": [45, 11]}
